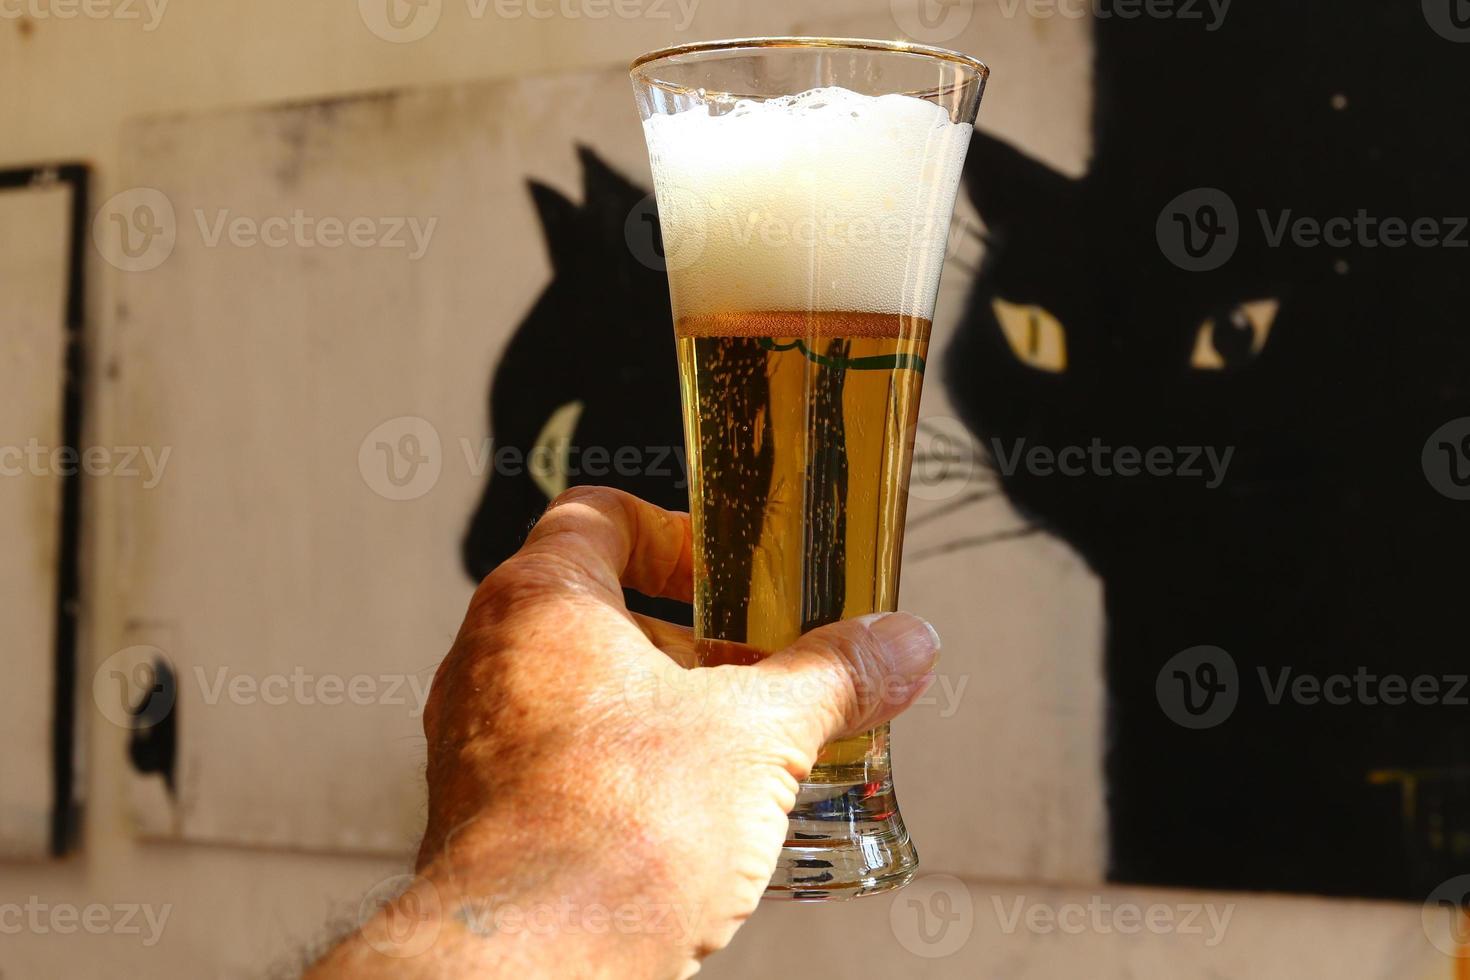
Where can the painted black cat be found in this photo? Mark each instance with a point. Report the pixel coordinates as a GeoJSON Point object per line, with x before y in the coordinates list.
{"type": "Point", "coordinates": [1321, 370]}
{"type": "Point", "coordinates": [597, 353]}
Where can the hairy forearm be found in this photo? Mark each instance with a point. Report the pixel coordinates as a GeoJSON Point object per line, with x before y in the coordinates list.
{"type": "Point", "coordinates": [596, 807]}
{"type": "Point", "coordinates": [506, 899]}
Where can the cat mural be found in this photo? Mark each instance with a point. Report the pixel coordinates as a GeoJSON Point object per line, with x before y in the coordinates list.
{"type": "Point", "coordinates": [590, 373]}
{"type": "Point", "coordinates": [1280, 556]}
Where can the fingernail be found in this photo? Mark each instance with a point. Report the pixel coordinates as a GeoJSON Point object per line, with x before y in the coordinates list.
{"type": "Point", "coordinates": [912, 644]}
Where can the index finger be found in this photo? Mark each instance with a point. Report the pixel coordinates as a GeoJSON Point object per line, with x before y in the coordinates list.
{"type": "Point", "coordinates": [614, 540]}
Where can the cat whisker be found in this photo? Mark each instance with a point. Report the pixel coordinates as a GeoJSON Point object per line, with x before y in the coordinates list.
{"type": "Point", "coordinates": [975, 541]}
{"type": "Point", "coordinates": [957, 459]}
{"type": "Point", "coordinates": [950, 507]}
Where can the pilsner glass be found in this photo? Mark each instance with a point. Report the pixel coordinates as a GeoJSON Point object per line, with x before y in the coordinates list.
{"type": "Point", "coordinates": [805, 187]}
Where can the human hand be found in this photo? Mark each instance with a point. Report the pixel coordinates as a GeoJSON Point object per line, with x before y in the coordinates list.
{"type": "Point", "coordinates": [581, 768]}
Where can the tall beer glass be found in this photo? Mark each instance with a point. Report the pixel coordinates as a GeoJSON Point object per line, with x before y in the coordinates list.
{"type": "Point", "coordinates": [804, 190]}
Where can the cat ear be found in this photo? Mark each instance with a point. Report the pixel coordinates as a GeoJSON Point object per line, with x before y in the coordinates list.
{"type": "Point", "coordinates": [1014, 192]}
{"type": "Point", "coordinates": [1034, 220]}
{"type": "Point", "coordinates": [600, 181]}
{"type": "Point", "coordinates": [608, 196]}
{"type": "Point", "coordinates": [558, 219]}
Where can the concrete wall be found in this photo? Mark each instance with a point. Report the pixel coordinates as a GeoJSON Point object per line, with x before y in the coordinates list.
{"type": "Point", "coordinates": [66, 87]}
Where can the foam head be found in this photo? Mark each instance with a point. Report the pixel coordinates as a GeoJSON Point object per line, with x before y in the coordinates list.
{"type": "Point", "coordinates": [825, 201]}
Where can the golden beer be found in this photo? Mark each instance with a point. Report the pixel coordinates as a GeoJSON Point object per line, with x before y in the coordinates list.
{"type": "Point", "coordinates": [800, 428]}
{"type": "Point", "coordinates": [805, 188]}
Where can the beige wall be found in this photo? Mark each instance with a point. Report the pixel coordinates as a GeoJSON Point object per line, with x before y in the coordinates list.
{"type": "Point", "coordinates": [66, 87]}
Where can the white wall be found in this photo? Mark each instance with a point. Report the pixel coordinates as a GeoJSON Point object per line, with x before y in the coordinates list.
{"type": "Point", "coordinates": [66, 87]}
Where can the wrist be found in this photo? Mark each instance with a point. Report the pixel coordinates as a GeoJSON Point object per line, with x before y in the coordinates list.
{"type": "Point", "coordinates": [560, 901]}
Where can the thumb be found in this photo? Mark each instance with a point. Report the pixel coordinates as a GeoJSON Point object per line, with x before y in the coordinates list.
{"type": "Point", "coordinates": [850, 676]}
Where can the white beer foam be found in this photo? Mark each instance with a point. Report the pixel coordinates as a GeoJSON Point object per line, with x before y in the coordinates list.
{"type": "Point", "coordinates": [828, 200]}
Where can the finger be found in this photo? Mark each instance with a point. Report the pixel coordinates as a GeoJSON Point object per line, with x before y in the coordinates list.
{"type": "Point", "coordinates": [850, 676]}
{"type": "Point", "coordinates": [613, 539]}
{"type": "Point", "coordinates": [677, 642]}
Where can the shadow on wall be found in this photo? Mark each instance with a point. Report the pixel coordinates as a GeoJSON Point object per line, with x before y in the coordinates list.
{"type": "Point", "coordinates": [1164, 303]}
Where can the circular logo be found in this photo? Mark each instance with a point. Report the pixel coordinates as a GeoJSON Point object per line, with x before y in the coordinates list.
{"type": "Point", "coordinates": [136, 687]}
{"type": "Point", "coordinates": [1198, 230]}
{"type": "Point", "coordinates": [1450, 19]}
{"type": "Point", "coordinates": [932, 21]}
{"type": "Point", "coordinates": [401, 459]}
{"type": "Point", "coordinates": [668, 232]}
{"type": "Point", "coordinates": [665, 694]}
{"type": "Point", "coordinates": [933, 916]}
{"type": "Point", "coordinates": [946, 459]}
{"type": "Point", "coordinates": [412, 915]}
{"type": "Point", "coordinates": [1445, 917]}
{"type": "Point", "coordinates": [135, 230]}
{"type": "Point", "coordinates": [1198, 687]}
{"type": "Point", "coordinates": [1446, 459]}
{"type": "Point", "coordinates": [400, 21]}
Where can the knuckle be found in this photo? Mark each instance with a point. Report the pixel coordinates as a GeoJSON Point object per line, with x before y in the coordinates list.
{"type": "Point", "coordinates": [601, 498]}
{"type": "Point", "coordinates": [857, 660]}
{"type": "Point", "coordinates": [524, 581]}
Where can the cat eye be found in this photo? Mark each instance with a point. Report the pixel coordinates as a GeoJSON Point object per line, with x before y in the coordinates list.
{"type": "Point", "coordinates": [1036, 337]}
{"type": "Point", "coordinates": [1234, 338]}
{"type": "Point", "coordinates": [548, 462]}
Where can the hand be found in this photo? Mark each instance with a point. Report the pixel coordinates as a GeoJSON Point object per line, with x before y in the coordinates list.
{"type": "Point", "coordinates": [598, 806]}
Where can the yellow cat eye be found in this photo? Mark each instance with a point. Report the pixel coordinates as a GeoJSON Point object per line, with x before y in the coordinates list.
{"type": "Point", "coordinates": [1251, 325]}
{"type": "Point", "coordinates": [549, 461]}
{"type": "Point", "coordinates": [1036, 337]}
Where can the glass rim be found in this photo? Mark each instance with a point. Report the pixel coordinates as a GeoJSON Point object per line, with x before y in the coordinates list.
{"type": "Point", "coordinates": [975, 65]}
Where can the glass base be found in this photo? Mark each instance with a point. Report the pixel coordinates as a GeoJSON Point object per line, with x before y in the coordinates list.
{"type": "Point", "coordinates": [845, 840]}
